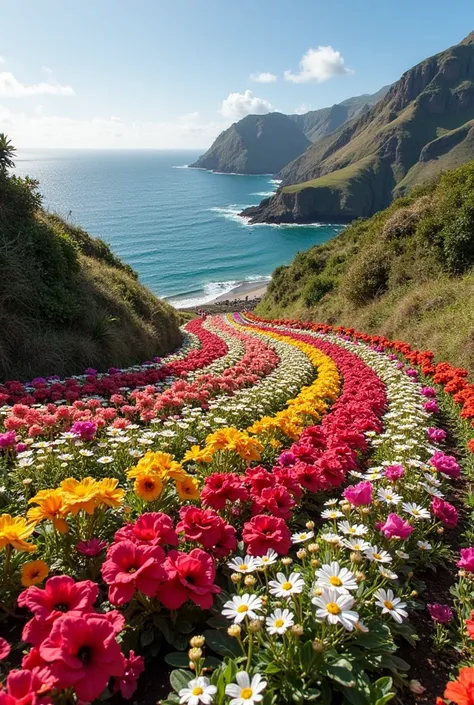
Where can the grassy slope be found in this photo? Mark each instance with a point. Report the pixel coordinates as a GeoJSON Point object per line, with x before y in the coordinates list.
{"type": "Point", "coordinates": [407, 272]}
{"type": "Point", "coordinates": [66, 302]}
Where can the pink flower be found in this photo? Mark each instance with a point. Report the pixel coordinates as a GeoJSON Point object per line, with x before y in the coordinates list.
{"type": "Point", "coordinates": [467, 559]}
{"type": "Point", "coordinates": [152, 528]}
{"type": "Point", "coordinates": [190, 577]}
{"type": "Point", "coordinates": [127, 683]}
{"type": "Point", "coordinates": [445, 512]}
{"type": "Point", "coordinates": [220, 488]}
{"type": "Point", "coordinates": [27, 688]}
{"type": "Point", "coordinates": [437, 435]}
{"type": "Point", "coordinates": [446, 464]}
{"type": "Point", "coordinates": [5, 648]}
{"type": "Point", "coordinates": [440, 613]}
{"type": "Point", "coordinates": [7, 440]}
{"type": "Point", "coordinates": [428, 392]}
{"type": "Point", "coordinates": [431, 406]}
{"type": "Point", "coordinates": [263, 532]}
{"type": "Point", "coordinates": [287, 458]}
{"type": "Point", "coordinates": [359, 494]}
{"type": "Point", "coordinates": [394, 472]}
{"type": "Point", "coordinates": [129, 567]}
{"type": "Point", "coordinates": [91, 547]}
{"type": "Point", "coordinates": [201, 525]}
{"type": "Point", "coordinates": [396, 527]}
{"type": "Point", "coordinates": [276, 500]}
{"type": "Point", "coordinates": [83, 652]}
{"type": "Point", "coordinates": [85, 430]}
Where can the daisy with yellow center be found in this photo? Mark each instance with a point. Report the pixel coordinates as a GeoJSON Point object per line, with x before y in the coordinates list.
{"type": "Point", "coordinates": [335, 608]}
{"type": "Point", "coordinates": [285, 587]}
{"type": "Point", "coordinates": [80, 495]}
{"type": "Point", "coordinates": [332, 575]}
{"type": "Point", "coordinates": [242, 606]}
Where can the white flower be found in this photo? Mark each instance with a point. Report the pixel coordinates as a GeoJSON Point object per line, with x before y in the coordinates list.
{"type": "Point", "coordinates": [243, 565]}
{"type": "Point", "coordinates": [433, 491]}
{"type": "Point", "coordinates": [336, 608]}
{"type": "Point", "coordinates": [385, 494]}
{"type": "Point", "coordinates": [387, 573]}
{"type": "Point", "coordinates": [197, 691]}
{"type": "Point", "coordinates": [246, 692]}
{"type": "Point", "coordinates": [402, 554]}
{"type": "Point", "coordinates": [356, 544]}
{"type": "Point", "coordinates": [105, 460]}
{"type": "Point", "coordinates": [242, 606]}
{"type": "Point", "coordinates": [331, 514]}
{"type": "Point", "coordinates": [332, 576]}
{"type": "Point", "coordinates": [331, 502]}
{"type": "Point", "coordinates": [284, 587]}
{"type": "Point", "coordinates": [86, 452]}
{"type": "Point", "coordinates": [416, 510]}
{"type": "Point", "coordinates": [269, 558]}
{"type": "Point", "coordinates": [373, 475]}
{"type": "Point", "coordinates": [279, 621]}
{"type": "Point", "coordinates": [330, 538]}
{"type": "Point", "coordinates": [432, 479]}
{"type": "Point", "coordinates": [302, 536]}
{"type": "Point", "coordinates": [391, 605]}
{"type": "Point", "coordinates": [424, 545]}
{"type": "Point", "coordinates": [378, 555]}
{"type": "Point", "coordinates": [352, 529]}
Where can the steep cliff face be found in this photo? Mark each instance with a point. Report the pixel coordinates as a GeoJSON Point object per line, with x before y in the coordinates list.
{"type": "Point", "coordinates": [258, 144]}
{"type": "Point", "coordinates": [422, 125]}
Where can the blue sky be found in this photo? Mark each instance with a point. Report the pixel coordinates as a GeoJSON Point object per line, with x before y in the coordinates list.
{"type": "Point", "coordinates": [170, 74]}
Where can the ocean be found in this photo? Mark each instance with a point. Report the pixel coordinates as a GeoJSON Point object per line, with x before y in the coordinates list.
{"type": "Point", "coordinates": [179, 228]}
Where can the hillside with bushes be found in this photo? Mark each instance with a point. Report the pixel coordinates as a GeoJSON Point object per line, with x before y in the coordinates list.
{"type": "Point", "coordinates": [66, 301]}
{"type": "Point", "coordinates": [406, 272]}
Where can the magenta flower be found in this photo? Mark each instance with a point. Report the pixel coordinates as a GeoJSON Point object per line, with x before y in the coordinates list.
{"type": "Point", "coordinates": [396, 527]}
{"type": "Point", "coordinates": [359, 494]}
{"type": "Point", "coordinates": [394, 472]}
{"type": "Point", "coordinates": [467, 559]}
{"type": "Point", "coordinates": [446, 464]}
{"type": "Point", "coordinates": [412, 373]}
{"type": "Point", "coordinates": [440, 613]}
{"type": "Point", "coordinates": [431, 406]}
{"type": "Point", "coordinates": [5, 648]}
{"type": "Point", "coordinates": [437, 435]}
{"type": "Point", "coordinates": [86, 430]}
{"type": "Point", "coordinates": [287, 458]}
{"type": "Point", "coordinates": [428, 392]}
{"type": "Point", "coordinates": [7, 440]}
{"type": "Point", "coordinates": [445, 512]}
{"type": "Point", "coordinates": [91, 547]}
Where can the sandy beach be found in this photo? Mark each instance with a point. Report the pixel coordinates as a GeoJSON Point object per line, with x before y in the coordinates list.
{"type": "Point", "coordinates": [245, 291]}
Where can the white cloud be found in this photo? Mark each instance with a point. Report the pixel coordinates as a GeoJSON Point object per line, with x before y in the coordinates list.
{"type": "Point", "coordinates": [264, 77]}
{"type": "Point", "coordinates": [2, 60]}
{"type": "Point", "coordinates": [238, 105]}
{"type": "Point", "coordinates": [46, 69]}
{"type": "Point", "coordinates": [115, 118]}
{"type": "Point", "coordinates": [11, 87]}
{"type": "Point", "coordinates": [319, 65]}
{"type": "Point", "coordinates": [303, 108]}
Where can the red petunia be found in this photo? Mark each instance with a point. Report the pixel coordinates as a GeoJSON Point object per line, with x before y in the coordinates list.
{"type": "Point", "coordinates": [220, 488]}
{"type": "Point", "coordinates": [276, 500]}
{"type": "Point", "coordinates": [191, 577]}
{"type": "Point", "coordinates": [152, 528]}
{"type": "Point", "coordinates": [461, 691]}
{"type": "Point", "coordinates": [131, 567]}
{"type": "Point", "coordinates": [127, 682]}
{"type": "Point", "coordinates": [263, 532]}
{"type": "Point", "coordinates": [27, 688]}
{"type": "Point", "coordinates": [204, 526]}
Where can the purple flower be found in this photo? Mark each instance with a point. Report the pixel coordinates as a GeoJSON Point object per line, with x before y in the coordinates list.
{"type": "Point", "coordinates": [400, 365]}
{"type": "Point", "coordinates": [428, 392]}
{"type": "Point", "coordinates": [431, 406]}
{"type": "Point", "coordinates": [440, 613]}
{"type": "Point", "coordinates": [7, 440]}
{"type": "Point", "coordinates": [90, 371]}
{"type": "Point", "coordinates": [38, 381]}
{"type": "Point", "coordinates": [394, 472]}
{"type": "Point", "coordinates": [436, 434]}
{"type": "Point", "coordinates": [113, 370]}
{"type": "Point", "coordinates": [446, 464]}
{"type": "Point", "coordinates": [91, 547]}
{"type": "Point", "coordinates": [86, 430]}
{"type": "Point", "coordinates": [412, 373]}
{"type": "Point", "coordinates": [21, 447]}
{"type": "Point", "coordinates": [287, 458]}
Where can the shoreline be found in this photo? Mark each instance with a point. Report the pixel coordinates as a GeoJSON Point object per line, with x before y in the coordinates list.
{"type": "Point", "coordinates": [244, 296]}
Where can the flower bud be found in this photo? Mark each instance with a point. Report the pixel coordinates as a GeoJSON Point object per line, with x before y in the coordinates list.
{"type": "Point", "coordinates": [410, 574]}
{"type": "Point", "coordinates": [313, 547]}
{"type": "Point", "coordinates": [27, 481]}
{"type": "Point", "coordinates": [360, 576]}
{"type": "Point", "coordinates": [317, 646]}
{"type": "Point", "coordinates": [365, 510]}
{"type": "Point", "coordinates": [194, 654]}
{"type": "Point", "coordinates": [440, 530]}
{"type": "Point", "coordinates": [318, 591]}
{"type": "Point", "coordinates": [236, 577]}
{"type": "Point", "coordinates": [197, 641]}
{"type": "Point", "coordinates": [310, 525]}
{"type": "Point", "coordinates": [287, 560]}
{"type": "Point", "coordinates": [296, 630]}
{"type": "Point", "coordinates": [264, 599]}
{"type": "Point", "coordinates": [234, 630]}
{"type": "Point", "coordinates": [301, 554]}
{"type": "Point", "coordinates": [356, 557]}
{"type": "Point", "coordinates": [126, 510]}
{"type": "Point", "coordinates": [191, 666]}
{"type": "Point", "coordinates": [315, 563]}
{"type": "Point", "coordinates": [255, 626]}
{"type": "Point", "coordinates": [250, 580]}
{"type": "Point", "coordinates": [346, 507]}
{"type": "Point", "coordinates": [413, 593]}
{"type": "Point", "coordinates": [416, 687]}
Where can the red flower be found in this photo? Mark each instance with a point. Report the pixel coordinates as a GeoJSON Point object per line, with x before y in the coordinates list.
{"type": "Point", "coordinates": [201, 525]}
{"type": "Point", "coordinates": [445, 512]}
{"type": "Point", "coordinates": [308, 476]}
{"type": "Point", "coordinates": [59, 595]}
{"type": "Point", "coordinates": [470, 625]}
{"type": "Point", "coordinates": [264, 532]}
{"type": "Point", "coordinates": [82, 652]}
{"type": "Point", "coordinates": [26, 688]}
{"type": "Point", "coordinates": [470, 445]}
{"type": "Point", "coordinates": [275, 500]}
{"type": "Point", "coordinates": [127, 683]}
{"type": "Point", "coordinates": [191, 577]}
{"type": "Point", "coordinates": [461, 691]}
{"type": "Point", "coordinates": [220, 488]}
{"type": "Point", "coordinates": [152, 528]}
{"type": "Point", "coordinates": [129, 567]}
{"type": "Point", "coordinates": [5, 648]}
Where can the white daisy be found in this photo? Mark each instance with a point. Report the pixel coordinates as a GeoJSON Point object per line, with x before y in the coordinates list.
{"type": "Point", "coordinates": [279, 621]}
{"type": "Point", "coordinates": [402, 554]}
{"type": "Point", "coordinates": [197, 691]}
{"type": "Point", "coordinates": [373, 475]}
{"type": "Point", "coordinates": [385, 494]}
{"type": "Point", "coordinates": [352, 529]}
{"type": "Point", "coordinates": [387, 573]}
{"type": "Point", "coordinates": [302, 536]}
{"type": "Point", "coordinates": [285, 587]}
{"type": "Point", "coordinates": [269, 558]}
{"type": "Point", "coordinates": [242, 606]}
{"type": "Point", "coordinates": [416, 510]}
{"type": "Point", "coordinates": [356, 544]}
{"type": "Point", "coordinates": [329, 537]}
{"type": "Point", "coordinates": [336, 609]}
{"type": "Point", "coordinates": [424, 545]}
{"type": "Point", "coordinates": [332, 576]}
{"type": "Point", "coordinates": [377, 555]}
{"type": "Point", "coordinates": [330, 502]}
{"type": "Point", "coordinates": [86, 452]}
{"type": "Point", "coordinates": [432, 479]}
{"type": "Point", "coordinates": [243, 565]}
{"type": "Point", "coordinates": [105, 460]}
{"type": "Point", "coordinates": [432, 490]}
{"type": "Point", "coordinates": [391, 605]}
{"type": "Point", "coordinates": [331, 514]}
{"type": "Point", "coordinates": [246, 692]}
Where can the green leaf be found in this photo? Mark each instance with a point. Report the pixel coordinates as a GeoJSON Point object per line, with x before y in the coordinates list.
{"type": "Point", "coordinates": [217, 622]}
{"type": "Point", "coordinates": [164, 626]}
{"type": "Point", "coordinates": [382, 685]}
{"type": "Point", "coordinates": [177, 659]}
{"type": "Point", "coordinates": [341, 674]}
{"type": "Point", "coordinates": [221, 643]}
{"type": "Point", "coordinates": [185, 627]}
{"type": "Point", "coordinates": [394, 663]}
{"type": "Point", "coordinates": [179, 641]}
{"type": "Point", "coordinates": [385, 699]}
{"type": "Point", "coordinates": [272, 668]}
{"type": "Point", "coordinates": [180, 679]}
{"type": "Point", "coordinates": [147, 637]}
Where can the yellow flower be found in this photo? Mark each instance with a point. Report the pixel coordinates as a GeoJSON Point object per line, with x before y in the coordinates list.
{"type": "Point", "coordinates": [14, 531]}
{"type": "Point", "coordinates": [109, 494]}
{"type": "Point", "coordinates": [33, 573]}
{"type": "Point", "coordinates": [50, 506]}
{"type": "Point", "coordinates": [176, 472]}
{"type": "Point", "coordinates": [157, 462]}
{"type": "Point", "coordinates": [198, 455]}
{"type": "Point", "coordinates": [148, 486]}
{"type": "Point", "coordinates": [80, 495]}
{"type": "Point", "coordinates": [276, 444]}
{"type": "Point", "coordinates": [187, 488]}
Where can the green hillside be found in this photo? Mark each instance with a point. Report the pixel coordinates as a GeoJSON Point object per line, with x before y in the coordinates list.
{"type": "Point", "coordinates": [66, 301]}
{"type": "Point", "coordinates": [407, 272]}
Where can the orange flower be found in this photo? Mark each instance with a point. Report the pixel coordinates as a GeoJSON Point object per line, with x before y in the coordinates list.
{"type": "Point", "coordinates": [80, 495]}
{"type": "Point", "coordinates": [33, 573]}
{"type": "Point", "coordinates": [148, 486]}
{"type": "Point", "coordinates": [14, 531]}
{"type": "Point", "coordinates": [461, 691]}
{"type": "Point", "coordinates": [108, 494]}
{"type": "Point", "coordinates": [187, 488]}
{"type": "Point", "coordinates": [50, 506]}
{"type": "Point", "coordinates": [198, 455]}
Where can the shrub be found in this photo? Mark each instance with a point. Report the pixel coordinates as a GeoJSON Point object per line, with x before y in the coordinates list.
{"type": "Point", "coordinates": [315, 289]}
{"type": "Point", "coordinates": [368, 275]}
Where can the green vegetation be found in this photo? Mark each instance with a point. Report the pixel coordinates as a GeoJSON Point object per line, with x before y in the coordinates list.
{"type": "Point", "coordinates": [66, 301]}
{"type": "Point", "coordinates": [407, 272]}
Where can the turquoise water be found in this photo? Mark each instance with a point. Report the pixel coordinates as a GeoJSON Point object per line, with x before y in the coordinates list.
{"type": "Point", "coordinates": [177, 227]}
